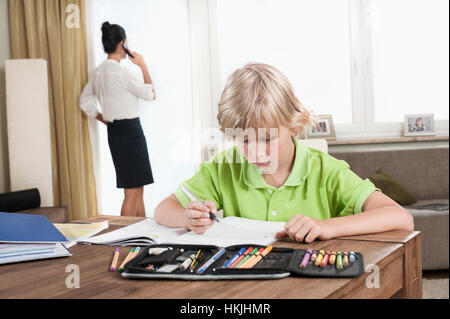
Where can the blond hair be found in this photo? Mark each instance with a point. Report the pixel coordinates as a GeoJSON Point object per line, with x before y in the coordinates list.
{"type": "Point", "coordinates": [259, 96]}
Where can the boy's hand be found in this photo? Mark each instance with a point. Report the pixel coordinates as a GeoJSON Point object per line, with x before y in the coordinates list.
{"type": "Point", "coordinates": [197, 216]}
{"type": "Point", "coordinates": [303, 228]}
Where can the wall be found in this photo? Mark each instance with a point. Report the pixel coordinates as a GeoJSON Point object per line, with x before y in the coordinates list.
{"type": "Point", "coordinates": [4, 55]}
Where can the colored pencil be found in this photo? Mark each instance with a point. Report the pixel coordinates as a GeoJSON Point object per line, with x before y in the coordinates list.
{"type": "Point", "coordinates": [258, 258]}
{"type": "Point", "coordinates": [237, 261]}
{"type": "Point", "coordinates": [211, 261]}
{"type": "Point", "coordinates": [250, 260]}
{"type": "Point", "coordinates": [243, 261]}
{"type": "Point", "coordinates": [127, 258]}
{"type": "Point", "coordinates": [232, 259]}
{"type": "Point", "coordinates": [115, 260]}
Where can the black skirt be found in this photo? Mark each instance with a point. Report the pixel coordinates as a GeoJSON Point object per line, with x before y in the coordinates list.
{"type": "Point", "coordinates": [129, 153]}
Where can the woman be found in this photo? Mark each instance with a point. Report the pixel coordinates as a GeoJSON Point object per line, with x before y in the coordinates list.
{"type": "Point", "coordinates": [117, 91]}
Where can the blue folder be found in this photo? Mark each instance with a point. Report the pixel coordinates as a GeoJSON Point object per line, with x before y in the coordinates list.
{"type": "Point", "coordinates": [28, 228]}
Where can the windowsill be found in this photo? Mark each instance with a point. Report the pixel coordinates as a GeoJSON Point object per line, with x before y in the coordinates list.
{"type": "Point", "coordinates": [402, 139]}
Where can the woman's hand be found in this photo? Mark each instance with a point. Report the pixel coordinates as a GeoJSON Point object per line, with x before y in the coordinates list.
{"type": "Point", "coordinates": [100, 118]}
{"type": "Point", "coordinates": [138, 59]}
{"type": "Point", "coordinates": [197, 216]}
{"type": "Point", "coordinates": [303, 228]}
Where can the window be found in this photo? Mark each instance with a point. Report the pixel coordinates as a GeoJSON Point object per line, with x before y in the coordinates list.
{"type": "Point", "coordinates": [160, 31]}
{"type": "Point", "coordinates": [309, 41]}
{"type": "Point", "coordinates": [410, 58]}
{"type": "Point", "coordinates": [366, 62]}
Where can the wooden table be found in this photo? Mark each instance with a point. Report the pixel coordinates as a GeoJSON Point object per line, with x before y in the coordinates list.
{"type": "Point", "coordinates": [396, 254]}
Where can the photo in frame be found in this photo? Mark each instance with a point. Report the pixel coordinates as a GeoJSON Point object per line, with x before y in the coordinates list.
{"type": "Point", "coordinates": [324, 128]}
{"type": "Point", "coordinates": [419, 124]}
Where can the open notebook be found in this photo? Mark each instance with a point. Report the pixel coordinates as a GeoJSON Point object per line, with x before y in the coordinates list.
{"type": "Point", "coordinates": [75, 232]}
{"type": "Point", "coordinates": [229, 231]}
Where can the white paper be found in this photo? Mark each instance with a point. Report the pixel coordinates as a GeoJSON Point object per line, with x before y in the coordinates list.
{"type": "Point", "coordinates": [229, 231]}
{"type": "Point", "coordinates": [234, 231]}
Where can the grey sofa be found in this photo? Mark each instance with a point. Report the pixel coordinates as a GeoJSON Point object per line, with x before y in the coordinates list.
{"type": "Point", "coordinates": [424, 173]}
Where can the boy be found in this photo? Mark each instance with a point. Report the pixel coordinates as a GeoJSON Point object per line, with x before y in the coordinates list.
{"type": "Point", "coordinates": [269, 175]}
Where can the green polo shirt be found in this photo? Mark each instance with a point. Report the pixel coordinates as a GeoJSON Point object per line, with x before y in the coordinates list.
{"type": "Point", "coordinates": [319, 186]}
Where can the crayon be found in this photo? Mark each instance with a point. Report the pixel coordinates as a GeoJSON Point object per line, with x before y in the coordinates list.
{"type": "Point", "coordinates": [319, 258]}
{"type": "Point", "coordinates": [115, 260]}
{"type": "Point", "coordinates": [352, 256]}
{"type": "Point", "coordinates": [305, 259]}
{"type": "Point", "coordinates": [314, 256]}
{"type": "Point", "coordinates": [324, 262]}
{"type": "Point", "coordinates": [345, 259]}
{"type": "Point", "coordinates": [332, 258]}
{"type": "Point", "coordinates": [339, 260]}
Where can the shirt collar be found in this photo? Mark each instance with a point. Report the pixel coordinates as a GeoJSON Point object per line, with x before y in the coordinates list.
{"type": "Point", "coordinates": [112, 61]}
{"type": "Point", "coordinates": [300, 170]}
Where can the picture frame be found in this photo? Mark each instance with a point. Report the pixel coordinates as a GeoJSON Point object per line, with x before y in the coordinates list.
{"type": "Point", "coordinates": [323, 129]}
{"type": "Point", "coordinates": [419, 124]}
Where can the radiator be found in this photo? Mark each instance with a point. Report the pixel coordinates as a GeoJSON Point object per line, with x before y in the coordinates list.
{"type": "Point", "coordinates": [28, 126]}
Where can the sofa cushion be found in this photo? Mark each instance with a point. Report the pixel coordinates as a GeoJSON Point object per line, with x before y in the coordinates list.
{"type": "Point", "coordinates": [392, 188]}
{"type": "Point", "coordinates": [424, 171]}
{"type": "Point", "coordinates": [434, 226]}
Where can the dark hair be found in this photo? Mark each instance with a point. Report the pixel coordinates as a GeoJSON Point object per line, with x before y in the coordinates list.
{"type": "Point", "coordinates": [112, 34]}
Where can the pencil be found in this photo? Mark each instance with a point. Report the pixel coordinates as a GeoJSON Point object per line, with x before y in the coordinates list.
{"type": "Point", "coordinates": [211, 260]}
{"type": "Point", "coordinates": [193, 198]}
{"type": "Point", "coordinates": [127, 259]}
{"type": "Point", "coordinates": [195, 261]}
{"type": "Point", "coordinates": [136, 252]}
{"type": "Point", "coordinates": [244, 260]}
{"type": "Point", "coordinates": [249, 261]}
{"type": "Point", "coordinates": [115, 260]}
{"type": "Point", "coordinates": [260, 256]}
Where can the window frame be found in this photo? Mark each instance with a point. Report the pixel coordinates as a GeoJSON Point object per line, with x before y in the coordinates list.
{"type": "Point", "coordinates": [362, 89]}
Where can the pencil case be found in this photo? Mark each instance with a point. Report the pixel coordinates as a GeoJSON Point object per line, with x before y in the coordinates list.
{"type": "Point", "coordinates": [279, 263]}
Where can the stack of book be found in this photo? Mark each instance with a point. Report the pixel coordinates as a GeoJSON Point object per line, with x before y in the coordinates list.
{"type": "Point", "coordinates": [29, 237]}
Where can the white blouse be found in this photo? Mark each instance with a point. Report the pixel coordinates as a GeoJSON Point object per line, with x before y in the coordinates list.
{"type": "Point", "coordinates": [117, 90]}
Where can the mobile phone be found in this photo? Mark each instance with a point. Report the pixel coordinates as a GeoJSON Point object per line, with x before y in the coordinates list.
{"type": "Point", "coordinates": [126, 50]}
